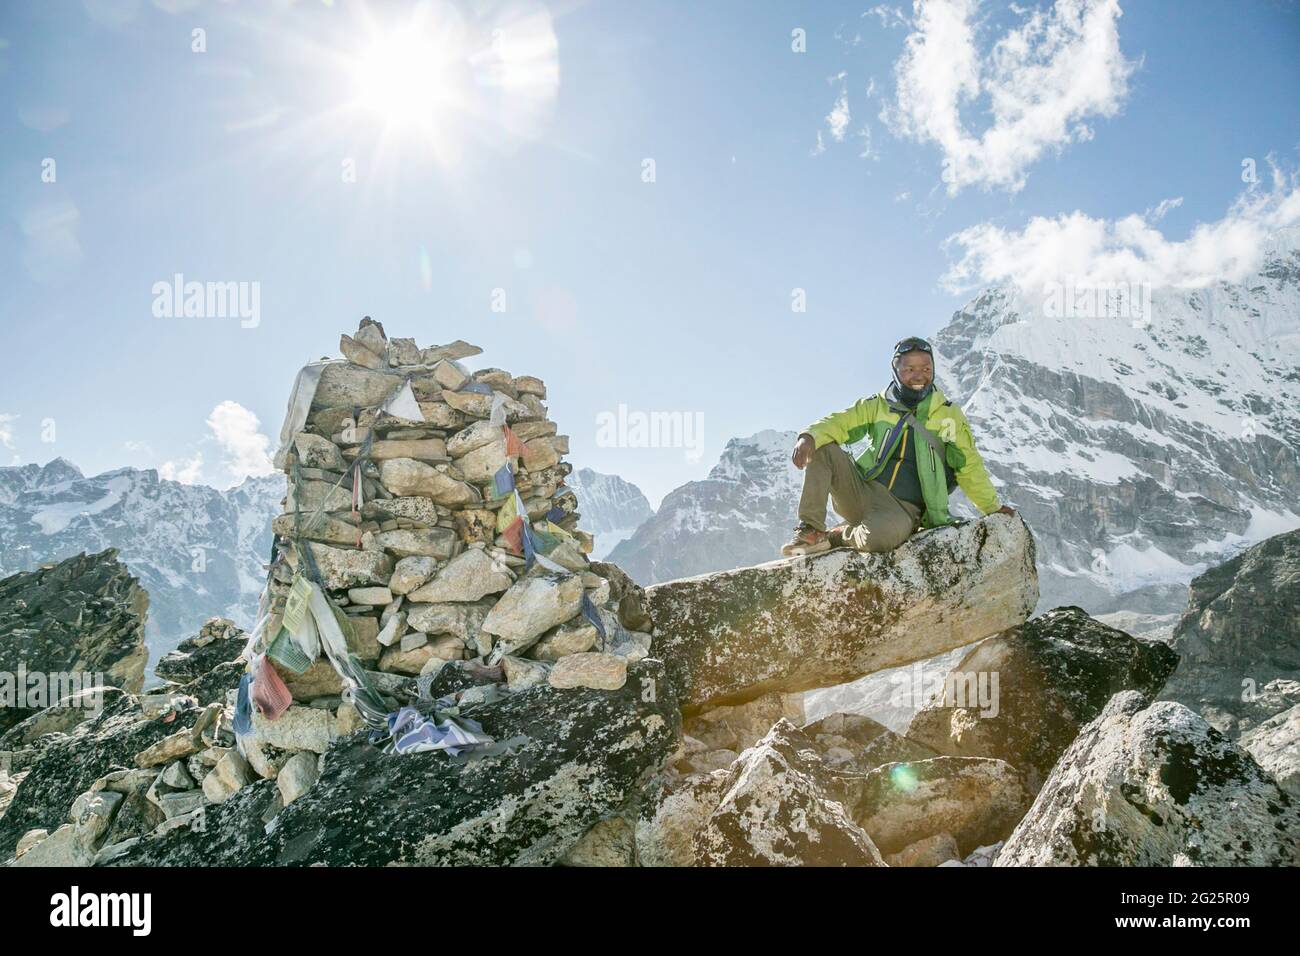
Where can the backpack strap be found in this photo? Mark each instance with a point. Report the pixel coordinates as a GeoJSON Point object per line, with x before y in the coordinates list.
{"type": "Point", "coordinates": [918, 428]}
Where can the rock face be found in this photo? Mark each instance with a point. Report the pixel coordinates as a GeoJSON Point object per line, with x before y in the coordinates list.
{"type": "Point", "coordinates": [831, 618]}
{"type": "Point", "coordinates": [218, 641]}
{"type": "Point", "coordinates": [60, 767]}
{"type": "Point", "coordinates": [1022, 695]}
{"type": "Point", "coordinates": [195, 550]}
{"type": "Point", "coordinates": [612, 508]}
{"type": "Point", "coordinates": [739, 515]}
{"type": "Point", "coordinates": [776, 809]}
{"type": "Point", "coordinates": [1240, 633]}
{"type": "Point", "coordinates": [580, 755]}
{"type": "Point", "coordinates": [82, 617]}
{"type": "Point", "coordinates": [1275, 745]}
{"type": "Point", "coordinates": [1156, 786]}
{"type": "Point", "coordinates": [1138, 451]}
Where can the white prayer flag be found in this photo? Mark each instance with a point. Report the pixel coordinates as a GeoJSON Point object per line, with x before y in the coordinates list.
{"type": "Point", "coordinates": [402, 404]}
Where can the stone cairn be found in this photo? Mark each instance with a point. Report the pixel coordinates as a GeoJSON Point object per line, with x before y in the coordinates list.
{"type": "Point", "coordinates": [429, 503]}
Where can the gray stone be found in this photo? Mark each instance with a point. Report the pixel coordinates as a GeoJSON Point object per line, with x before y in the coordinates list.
{"type": "Point", "coordinates": [357, 353]}
{"type": "Point", "coordinates": [530, 607]}
{"type": "Point", "coordinates": [231, 773]}
{"type": "Point", "coordinates": [568, 638]}
{"type": "Point", "coordinates": [589, 669]}
{"type": "Point", "coordinates": [522, 674]}
{"type": "Point", "coordinates": [776, 810]}
{"type": "Point", "coordinates": [469, 576]}
{"type": "Point", "coordinates": [342, 569]}
{"type": "Point", "coordinates": [317, 452]}
{"type": "Point", "coordinates": [296, 777]}
{"type": "Point", "coordinates": [463, 620]}
{"type": "Point", "coordinates": [824, 620]}
{"type": "Point", "coordinates": [436, 543]}
{"type": "Point", "coordinates": [370, 595]}
{"type": "Point", "coordinates": [406, 476]}
{"type": "Point", "coordinates": [1156, 786]}
{"type": "Point", "coordinates": [411, 572]}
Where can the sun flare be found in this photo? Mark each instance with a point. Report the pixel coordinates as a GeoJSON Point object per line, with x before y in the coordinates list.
{"type": "Point", "coordinates": [400, 78]}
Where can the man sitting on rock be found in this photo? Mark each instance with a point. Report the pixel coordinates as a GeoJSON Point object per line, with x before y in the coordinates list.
{"type": "Point", "coordinates": [921, 449]}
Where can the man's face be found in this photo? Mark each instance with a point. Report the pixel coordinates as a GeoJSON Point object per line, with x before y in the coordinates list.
{"type": "Point", "coordinates": [915, 370]}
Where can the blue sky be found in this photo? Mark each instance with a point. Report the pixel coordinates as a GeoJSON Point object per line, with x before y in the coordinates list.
{"type": "Point", "coordinates": [523, 170]}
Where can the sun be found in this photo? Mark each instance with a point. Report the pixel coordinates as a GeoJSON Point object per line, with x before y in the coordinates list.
{"type": "Point", "coordinates": [401, 78]}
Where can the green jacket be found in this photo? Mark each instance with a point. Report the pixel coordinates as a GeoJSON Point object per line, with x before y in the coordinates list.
{"type": "Point", "coordinates": [873, 417]}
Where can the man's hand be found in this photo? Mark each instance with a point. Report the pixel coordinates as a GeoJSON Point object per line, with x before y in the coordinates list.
{"type": "Point", "coordinates": [803, 451]}
{"type": "Point", "coordinates": [1006, 510]}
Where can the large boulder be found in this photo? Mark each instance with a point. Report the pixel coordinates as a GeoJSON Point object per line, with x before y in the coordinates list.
{"type": "Point", "coordinates": [1240, 632]}
{"type": "Point", "coordinates": [575, 758]}
{"type": "Point", "coordinates": [819, 621]}
{"type": "Point", "coordinates": [976, 801]}
{"type": "Point", "coordinates": [1156, 786]}
{"type": "Point", "coordinates": [777, 809]}
{"type": "Point", "coordinates": [218, 641]}
{"type": "Point", "coordinates": [671, 811]}
{"type": "Point", "coordinates": [1023, 695]}
{"type": "Point", "coordinates": [78, 622]}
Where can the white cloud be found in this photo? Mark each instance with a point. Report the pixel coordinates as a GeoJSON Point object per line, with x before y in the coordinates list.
{"type": "Point", "coordinates": [838, 119]}
{"type": "Point", "coordinates": [1155, 215]}
{"type": "Point", "coordinates": [1041, 80]}
{"type": "Point", "coordinates": [188, 471]}
{"type": "Point", "coordinates": [1078, 248]}
{"type": "Point", "coordinates": [868, 150]}
{"type": "Point", "coordinates": [7, 420]}
{"type": "Point", "coordinates": [888, 16]}
{"type": "Point", "coordinates": [247, 450]}
{"type": "Point", "coordinates": [142, 447]}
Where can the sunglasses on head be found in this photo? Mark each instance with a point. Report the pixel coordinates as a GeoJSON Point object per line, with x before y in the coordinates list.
{"type": "Point", "coordinates": [913, 345]}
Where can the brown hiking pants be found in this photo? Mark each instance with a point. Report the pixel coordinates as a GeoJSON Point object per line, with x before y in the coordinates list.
{"type": "Point", "coordinates": [884, 522]}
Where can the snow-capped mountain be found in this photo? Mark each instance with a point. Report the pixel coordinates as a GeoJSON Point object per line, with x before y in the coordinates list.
{"type": "Point", "coordinates": [739, 515]}
{"type": "Point", "coordinates": [1140, 452]}
{"type": "Point", "coordinates": [199, 552]}
{"type": "Point", "coordinates": [611, 507]}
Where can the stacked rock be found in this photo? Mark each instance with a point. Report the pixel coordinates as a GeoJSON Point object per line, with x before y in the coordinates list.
{"type": "Point", "coordinates": [431, 503]}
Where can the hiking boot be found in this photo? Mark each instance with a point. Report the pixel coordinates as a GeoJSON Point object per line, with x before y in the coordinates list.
{"type": "Point", "coordinates": [806, 540]}
{"type": "Point", "coordinates": [836, 535]}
